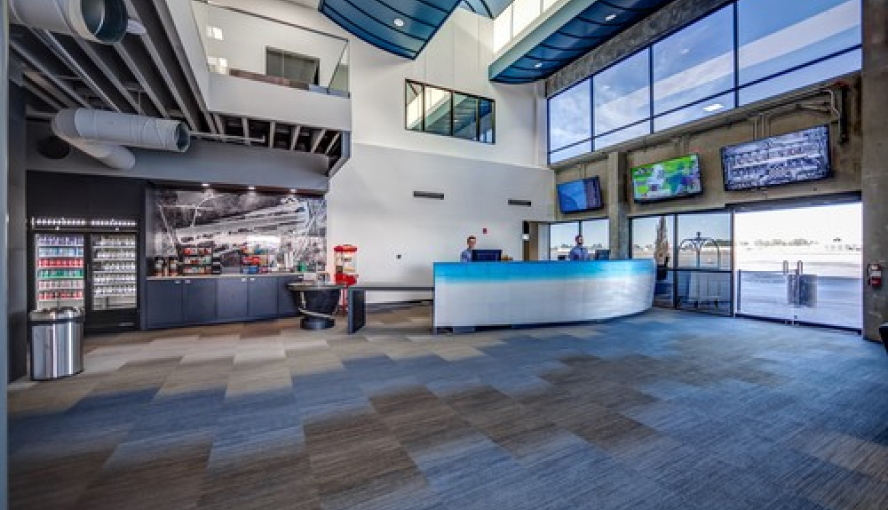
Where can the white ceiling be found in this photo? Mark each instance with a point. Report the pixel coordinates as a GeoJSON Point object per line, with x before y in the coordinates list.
{"type": "Point", "coordinates": [313, 4]}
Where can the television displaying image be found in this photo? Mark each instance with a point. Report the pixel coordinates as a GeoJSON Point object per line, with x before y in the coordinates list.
{"type": "Point", "coordinates": [673, 178]}
{"type": "Point", "coordinates": [785, 159]}
{"type": "Point", "coordinates": [582, 195]}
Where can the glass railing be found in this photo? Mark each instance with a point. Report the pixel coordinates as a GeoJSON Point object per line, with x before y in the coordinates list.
{"type": "Point", "coordinates": [254, 47]}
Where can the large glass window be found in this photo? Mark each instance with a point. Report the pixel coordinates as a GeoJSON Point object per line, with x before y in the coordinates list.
{"type": "Point", "coordinates": [766, 48]}
{"type": "Point", "coordinates": [704, 241]}
{"type": "Point", "coordinates": [621, 94]}
{"type": "Point", "coordinates": [777, 36]}
{"type": "Point", "coordinates": [570, 116]}
{"type": "Point", "coordinates": [695, 63]}
{"type": "Point", "coordinates": [444, 112]}
{"type": "Point", "coordinates": [596, 234]}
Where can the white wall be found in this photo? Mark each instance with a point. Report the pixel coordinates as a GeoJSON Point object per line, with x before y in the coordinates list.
{"type": "Point", "coordinates": [371, 205]}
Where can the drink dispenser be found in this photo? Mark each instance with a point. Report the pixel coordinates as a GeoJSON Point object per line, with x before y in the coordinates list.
{"type": "Point", "coordinates": [345, 258]}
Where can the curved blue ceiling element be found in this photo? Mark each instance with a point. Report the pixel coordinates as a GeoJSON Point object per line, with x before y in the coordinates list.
{"type": "Point", "coordinates": [574, 30]}
{"type": "Point", "coordinates": [488, 8]}
{"type": "Point", "coordinates": [402, 27]}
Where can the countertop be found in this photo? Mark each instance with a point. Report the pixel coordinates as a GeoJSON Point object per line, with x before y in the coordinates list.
{"type": "Point", "coordinates": [225, 275]}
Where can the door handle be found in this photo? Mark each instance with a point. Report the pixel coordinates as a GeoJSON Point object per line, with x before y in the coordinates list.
{"type": "Point", "coordinates": [785, 267]}
{"type": "Point", "coordinates": [800, 267]}
{"type": "Point", "coordinates": [187, 282]}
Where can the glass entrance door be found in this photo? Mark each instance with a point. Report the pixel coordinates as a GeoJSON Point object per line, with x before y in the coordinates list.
{"type": "Point", "coordinates": [801, 265]}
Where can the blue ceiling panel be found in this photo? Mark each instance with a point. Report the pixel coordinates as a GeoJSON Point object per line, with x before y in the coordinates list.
{"type": "Point", "coordinates": [574, 30]}
{"type": "Point", "coordinates": [402, 27]}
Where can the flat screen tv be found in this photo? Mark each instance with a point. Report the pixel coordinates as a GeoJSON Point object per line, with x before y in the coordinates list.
{"type": "Point", "coordinates": [664, 180]}
{"type": "Point", "coordinates": [582, 195]}
{"type": "Point", "coordinates": [794, 157]}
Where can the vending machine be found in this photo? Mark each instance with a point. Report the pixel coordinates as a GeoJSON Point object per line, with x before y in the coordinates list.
{"type": "Point", "coordinates": [92, 264]}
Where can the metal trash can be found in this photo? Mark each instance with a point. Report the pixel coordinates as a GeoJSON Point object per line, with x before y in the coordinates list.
{"type": "Point", "coordinates": [56, 338]}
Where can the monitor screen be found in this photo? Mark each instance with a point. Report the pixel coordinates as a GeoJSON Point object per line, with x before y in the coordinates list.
{"type": "Point", "coordinates": [794, 157]}
{"type": "Point", "coordinates": [486, 255]}
{"type": "Point", "coordinates": [673, 178]}
{"type": "Point", "coordinates": [602, 254]}
{"type": "Point", "coordinates": [582, 195]}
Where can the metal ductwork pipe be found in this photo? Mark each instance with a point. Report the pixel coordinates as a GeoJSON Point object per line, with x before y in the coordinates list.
{"type": "Point", "coordinates": [100, 134]}
{"type": "Point", "coordinates": [101, 21]}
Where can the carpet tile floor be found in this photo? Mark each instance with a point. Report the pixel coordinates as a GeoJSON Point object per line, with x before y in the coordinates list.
{"type": "Point", "coordinates": [664, 410]}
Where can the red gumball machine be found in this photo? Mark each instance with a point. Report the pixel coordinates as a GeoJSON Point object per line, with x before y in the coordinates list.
{"type": "Point", "coordinates": [346, 261]}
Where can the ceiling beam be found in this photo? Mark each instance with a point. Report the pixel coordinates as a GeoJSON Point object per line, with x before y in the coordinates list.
{"type": "Point", "coordinates": [246, 125]}
{"type": "Point", "coordinates": [160, 55]}
{"type": "Point", "coordinates": [316, 138]}
{"type": "Point", "coordinates": [46, 97]}
{"type": "Point", "coordinates": [112, 74]}
{"type": "Point", "coordinates": [294, 137]}
{"type": "Point", "coordinates": [271, 134]}
{"type": "Point", "coordinates": [127, 48]}
{"type": "Point", "coordinates": [85, 76]}
{"type": "Point", "coordinates": [46, 73]}
{"type": "Point", "coordinates": [332, 142]}
{"type": "Point", "coordinates": [168, 27]}
{"type": "Point", "coordinates": [220, 124]}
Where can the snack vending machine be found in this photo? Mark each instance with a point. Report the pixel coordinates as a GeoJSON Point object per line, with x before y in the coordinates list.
{"type": "Point", "coordinates": [88, 264]}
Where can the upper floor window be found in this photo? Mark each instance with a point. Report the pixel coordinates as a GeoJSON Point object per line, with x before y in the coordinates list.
{"type": "Point", "coordinates": [441, 111]}
{"type": "Point", "coordinates": [292, 66]}
{"type": "Point", "coordinates": [744, 52]}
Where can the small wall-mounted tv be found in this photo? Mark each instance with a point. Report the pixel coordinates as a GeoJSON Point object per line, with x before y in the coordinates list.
{"type": "Point", "coordinates": [794, 157]}
{"type": "Point", "coordinates": [582, 195]}
{"type": "Point", "coordinates": [664, 180]}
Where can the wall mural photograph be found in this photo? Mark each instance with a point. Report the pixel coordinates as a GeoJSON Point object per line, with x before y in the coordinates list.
{"type": "Point", "coordinates": [213, 232]}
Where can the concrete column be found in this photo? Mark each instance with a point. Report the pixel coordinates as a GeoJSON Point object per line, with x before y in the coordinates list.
{"type": "Point", "coordinates": [874, 172]}
{"type": "Point", "coordinates": [4, 283]}
{"type": "Point", "coordinates": [17, 232]}
{"type": "Point", "coordinates": [617, 205]}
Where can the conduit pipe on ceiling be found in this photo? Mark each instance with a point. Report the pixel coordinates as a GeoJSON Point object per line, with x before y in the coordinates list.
{"type": "Point", "coordinates": [101, 21]}
{"type": "Point", "coordinates": [101, 134]}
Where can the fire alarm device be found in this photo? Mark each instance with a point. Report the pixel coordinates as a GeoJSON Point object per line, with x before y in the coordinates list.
{"type": "Point", "coordinates": [874, 275]}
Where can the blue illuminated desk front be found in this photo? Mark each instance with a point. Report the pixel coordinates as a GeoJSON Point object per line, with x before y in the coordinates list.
{"type": "Point", "coordinates": [522, 293]}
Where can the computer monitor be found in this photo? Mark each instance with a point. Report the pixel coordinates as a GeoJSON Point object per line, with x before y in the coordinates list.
{"type": "Point", "coordinates": [602, 254]}
{"type": "Point", "coordinates": [486, 255]}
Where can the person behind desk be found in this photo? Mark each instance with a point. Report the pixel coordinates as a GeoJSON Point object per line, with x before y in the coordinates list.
{"type": "Point", "coordinates": [466, 255]}
{"type": "Point", "coordinates": [579, 252]}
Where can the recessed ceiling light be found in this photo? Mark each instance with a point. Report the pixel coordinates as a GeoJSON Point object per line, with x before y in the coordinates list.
{"type": "Point", "coordinates": [292, 190]}
{"type": "Point", "coordinates": [206, 185]}
{"type": "Point", "coordinates": [252, 188]}
{"type": "Point", "coordinates": [398, 22]}
{"type": "Point", "coordinates": [610, 17]}
{"type": "Point", "coordinates": [684, 51]}
{"type": "Point", "coordinates": [713, 107]}
{"type": "Point", "coordinates": [538, 65]}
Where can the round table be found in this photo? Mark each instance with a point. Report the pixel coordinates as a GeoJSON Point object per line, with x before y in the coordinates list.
{"type": "Point", "coordinates": [317, 302]}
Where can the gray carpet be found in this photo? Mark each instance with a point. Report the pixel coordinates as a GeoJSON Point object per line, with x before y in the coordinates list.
{"type": "Point", "coordinates": [667, 410]}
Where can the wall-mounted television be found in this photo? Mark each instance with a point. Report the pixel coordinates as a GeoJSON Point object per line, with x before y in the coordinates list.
{"type": "Point", "coordinates": [664, 180]}
{"type": "Point", "coordinates": [794, 157]}
{"type": "Point", "coordinates": [582, 195]}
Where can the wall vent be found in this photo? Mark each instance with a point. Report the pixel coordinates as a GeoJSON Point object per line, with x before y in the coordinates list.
{"type": "Point", "coordinates": [523, 203]}
{"type": "Point", "coordinates": [428, 194]}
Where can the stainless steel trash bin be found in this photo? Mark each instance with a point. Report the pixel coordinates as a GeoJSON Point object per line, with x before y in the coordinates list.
{"type": "Point", "coordinates": [56, 338]}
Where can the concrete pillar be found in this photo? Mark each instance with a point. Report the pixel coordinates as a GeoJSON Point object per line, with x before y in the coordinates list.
{"type": "Point", "coordinates": [17, 230]}
{"type": "Point", "coordinates": [617, 205]}
{"type": "Point", "coordinates": [4, 283]}
{"type": "Point", "coordinates": [874, 172]}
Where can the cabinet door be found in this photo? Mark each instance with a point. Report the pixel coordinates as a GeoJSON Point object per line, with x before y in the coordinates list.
{"type": "Point", "coordinates": [200, 300]}
{"type": "Point", "coordinates": [233, 298]}
{"type": "Point", "coordinates": [164, 304]}
{"type": "Point", "coordinates": [263, 296]}
{"type": "Point", "coordinates": [286, 298]}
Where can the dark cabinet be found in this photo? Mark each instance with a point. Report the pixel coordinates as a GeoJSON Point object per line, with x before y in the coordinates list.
{"type": "Point", "coordinates": [199, 300]}
{"type": "Point", "coordinates": [231, 296]}
{"type": "Point", "coordinates": [263, 297]}
{"type": "Point", "coordinates": [164, 303]}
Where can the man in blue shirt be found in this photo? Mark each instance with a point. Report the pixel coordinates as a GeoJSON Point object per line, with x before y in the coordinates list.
{"type": "Point", "coordinates": [579, 252]}
{"type": "Point", "coordinates": [466, 255]}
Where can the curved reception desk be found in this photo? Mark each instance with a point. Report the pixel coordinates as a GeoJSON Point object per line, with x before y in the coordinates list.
{"type": "Point", "coordinates": [523, 293]}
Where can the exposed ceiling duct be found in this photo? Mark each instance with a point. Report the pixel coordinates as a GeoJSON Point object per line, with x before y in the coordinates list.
{"type": "Point", "coordinates": [101, 134]}
{"type": "Point", "coordinates": [101, 21]}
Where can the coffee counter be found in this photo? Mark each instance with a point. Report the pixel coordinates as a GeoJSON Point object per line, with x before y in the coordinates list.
{"type": "Point", "coordinates": [196, 300]}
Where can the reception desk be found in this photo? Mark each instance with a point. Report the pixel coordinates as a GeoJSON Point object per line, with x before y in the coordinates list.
{"type": "Point", "coordinates": [523, 293]}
